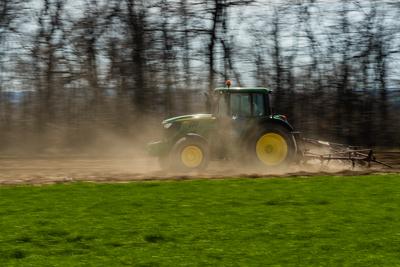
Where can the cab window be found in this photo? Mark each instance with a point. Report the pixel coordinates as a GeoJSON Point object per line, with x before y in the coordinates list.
{"type": "Point", "coordinates": [258, 105]}
{"type": "Point", "coordinates": [240, 105]}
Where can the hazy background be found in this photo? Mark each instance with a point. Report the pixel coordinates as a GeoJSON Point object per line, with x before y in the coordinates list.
{"type": "Point", "coordinates": [92, 75]}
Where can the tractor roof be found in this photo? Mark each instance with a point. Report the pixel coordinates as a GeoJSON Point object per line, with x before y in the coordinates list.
{"type": "Point", "coordinates": [260, 90]}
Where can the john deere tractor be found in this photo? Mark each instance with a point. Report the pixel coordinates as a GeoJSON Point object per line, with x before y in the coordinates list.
{"type": "Point", "coordinates": [241, 127]}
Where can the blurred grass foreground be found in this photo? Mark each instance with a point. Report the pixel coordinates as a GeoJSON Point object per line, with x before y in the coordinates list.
{"type": "Point", "coordinates": [335, 221]}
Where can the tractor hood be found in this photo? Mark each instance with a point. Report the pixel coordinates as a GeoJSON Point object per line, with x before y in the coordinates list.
{"type": "Point", "coordinates": [193, 117]}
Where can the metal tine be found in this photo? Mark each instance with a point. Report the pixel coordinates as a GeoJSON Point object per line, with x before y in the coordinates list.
{"type": "Point", "coordinates": [342, 152]}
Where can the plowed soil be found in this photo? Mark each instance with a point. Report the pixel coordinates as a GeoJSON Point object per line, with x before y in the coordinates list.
{"type": "Point", "coordinates": [14, 171]}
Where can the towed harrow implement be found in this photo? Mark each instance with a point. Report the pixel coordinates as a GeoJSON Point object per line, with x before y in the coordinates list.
{"type": "Point", "coordinates": [325, 152]}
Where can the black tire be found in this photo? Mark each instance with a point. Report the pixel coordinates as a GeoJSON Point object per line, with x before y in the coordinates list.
{"type": "Point", "coordinates": [197, 145]}
{"type": "Point", "coordinates": [265, 155]}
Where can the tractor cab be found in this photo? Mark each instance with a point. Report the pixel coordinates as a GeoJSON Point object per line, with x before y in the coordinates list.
{"type": "Point", "coordinates": [242, 103]}
{"type": "Point", "coordinates": [239, 109]}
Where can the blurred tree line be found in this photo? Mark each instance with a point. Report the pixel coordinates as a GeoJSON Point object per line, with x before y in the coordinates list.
{"type": "Point", "coordinates": [70, 68]}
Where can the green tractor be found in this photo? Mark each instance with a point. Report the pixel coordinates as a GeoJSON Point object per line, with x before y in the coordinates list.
{"type": "Point", "coordinates": [242, 127]}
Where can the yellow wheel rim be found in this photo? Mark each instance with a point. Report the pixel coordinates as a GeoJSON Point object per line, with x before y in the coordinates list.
{"type": "Point", "coordinates": [271, 149]}
{"type": "Point", "coordinates": [192, 156]}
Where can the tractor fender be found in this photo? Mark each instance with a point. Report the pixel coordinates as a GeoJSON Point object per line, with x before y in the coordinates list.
{"type": "Point", "coordinates": [192, 136]}
{"type": "Point", "coordinates": [197, 136]}
{"type": "Point", "coordinates": [264, 124]}
{"type": "Point", "coordinates": [280, 122]}
{"type": "Point", "coordinates": [182, 138]}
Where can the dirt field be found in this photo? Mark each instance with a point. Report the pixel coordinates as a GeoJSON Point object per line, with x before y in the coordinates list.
{"type": "Point", "coordinates": [58, 170]}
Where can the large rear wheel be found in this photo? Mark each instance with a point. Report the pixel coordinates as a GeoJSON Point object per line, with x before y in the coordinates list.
{"type": "Point", "coordinates": [273, 147]}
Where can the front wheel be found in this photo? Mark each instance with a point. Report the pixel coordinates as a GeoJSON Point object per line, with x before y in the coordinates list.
{"type": "Point", "coordinates": [190, 153]}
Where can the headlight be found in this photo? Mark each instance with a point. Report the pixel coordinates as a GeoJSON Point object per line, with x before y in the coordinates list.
{"type": "Point", "coordinates": [167, 125]}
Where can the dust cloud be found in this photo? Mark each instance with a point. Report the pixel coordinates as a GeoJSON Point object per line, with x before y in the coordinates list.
{"type": "Point", "coordinates": [108, 156]}
{"type": "Point", "coordinates": [122, 169]}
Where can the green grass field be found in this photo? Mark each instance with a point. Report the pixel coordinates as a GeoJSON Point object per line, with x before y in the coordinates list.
{"type": "Point", "coordinates": [319, 221]}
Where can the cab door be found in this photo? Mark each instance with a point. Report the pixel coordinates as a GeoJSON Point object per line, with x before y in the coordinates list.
{"type": "Point", "coordinates": [241, 113]}
{"type": "Point", "coordinates": [236, 116]}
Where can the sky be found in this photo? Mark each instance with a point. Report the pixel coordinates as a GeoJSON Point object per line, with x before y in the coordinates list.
{"type": "Point", "coordinates": [242, 21]}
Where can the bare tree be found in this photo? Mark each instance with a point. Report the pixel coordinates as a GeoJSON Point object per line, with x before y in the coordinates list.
{"type": "Point", "coordinates": [136, 22]}
{"type": "Point", "coordinates": [10, 12]}
{"type": "Point", "coordinates": [48, 42]}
